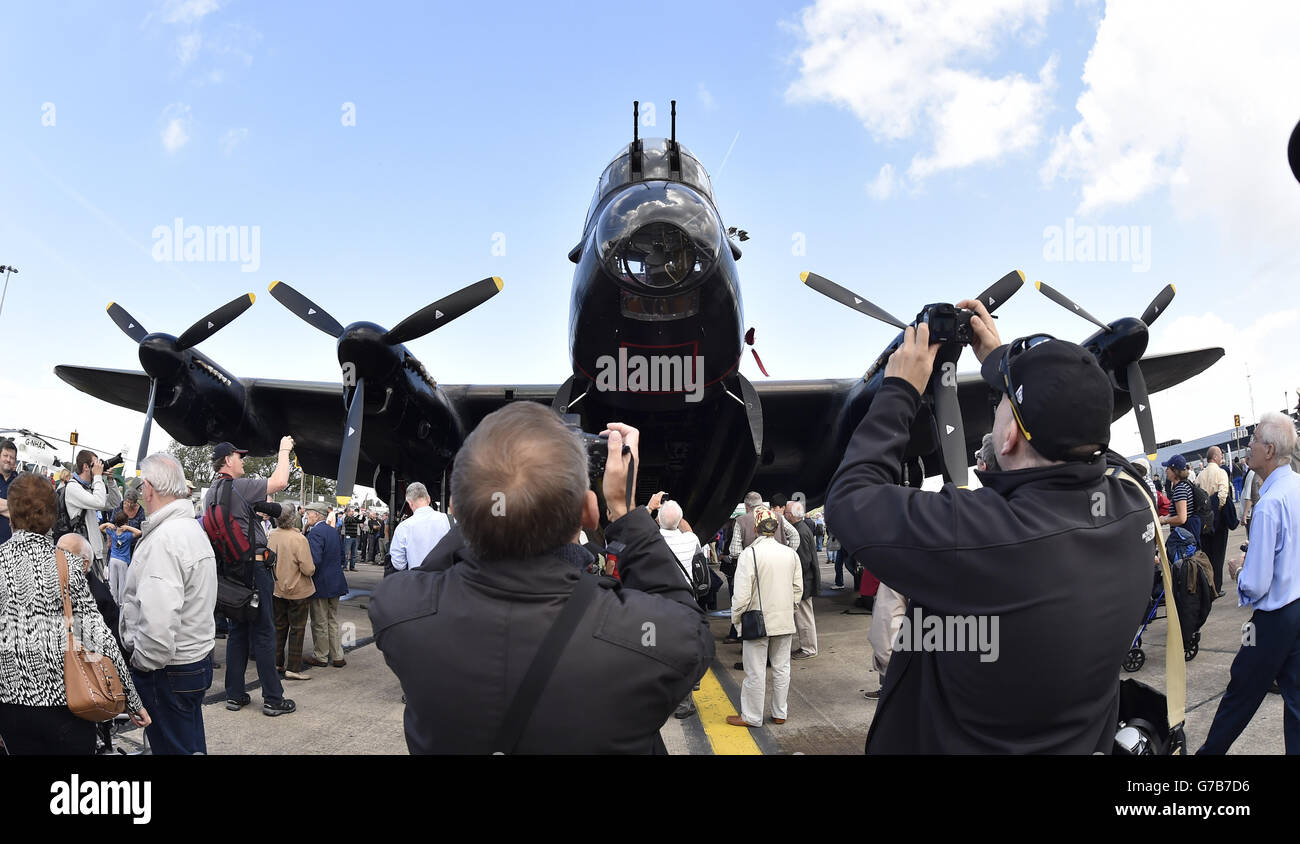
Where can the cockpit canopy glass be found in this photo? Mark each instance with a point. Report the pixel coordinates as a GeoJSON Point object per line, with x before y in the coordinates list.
{"type": "Point", "coordinates": [658, 234]}
{"type": "Point", "coordinates": [655, 165]}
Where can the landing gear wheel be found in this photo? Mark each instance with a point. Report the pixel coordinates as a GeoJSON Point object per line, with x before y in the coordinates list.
{"type": "Point", "coordinates": [1134, 660]}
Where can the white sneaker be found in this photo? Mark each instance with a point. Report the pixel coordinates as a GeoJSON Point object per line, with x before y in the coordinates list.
{"type": "Point", "coordinates": [294, 675]}
{"type": "Point", "coordinates": [837, 587]}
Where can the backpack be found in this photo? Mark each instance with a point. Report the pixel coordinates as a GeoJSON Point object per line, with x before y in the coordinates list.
{"type": "Point", "coordinates": [234, 549]}
{"type": "Point", "coordinates": [63, 523]}
{"type": "Point", "coordinates": [1202, 509]}
{"type": "Point", "coordinates": [701, 582]}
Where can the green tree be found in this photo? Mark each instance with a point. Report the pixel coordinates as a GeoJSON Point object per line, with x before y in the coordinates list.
{"type": "Point", "coordinates": [196, 461]}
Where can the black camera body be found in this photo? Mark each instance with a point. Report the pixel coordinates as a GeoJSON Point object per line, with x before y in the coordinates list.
{"type": "Point", "coordinates": [596, 446]}
{"type": "Point", "coordinates": [113, 462]}
{"type": "Point", "coordinates": [948, 323]}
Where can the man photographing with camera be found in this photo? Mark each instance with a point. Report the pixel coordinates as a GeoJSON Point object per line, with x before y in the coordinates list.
{"type": "Point", "coordinates": [504, 642]}
{"type": "Point", "coordinates": [1024, 594]}
{"type": "Point", "coordinates": [239, 541]}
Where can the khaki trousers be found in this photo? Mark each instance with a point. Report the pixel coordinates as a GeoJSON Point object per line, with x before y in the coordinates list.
{"type": "Point", "coordinates": [325, 629]}
{"type": "Point", "coordinates": [886, 619]}
{"type": "Point", "coordinates": [756, 653]}
{"type": "Point", "coordinates": [805, 626]}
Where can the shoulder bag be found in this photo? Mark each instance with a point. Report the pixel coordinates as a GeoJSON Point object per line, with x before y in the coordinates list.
{"type": "Point", "coordinates": [94, 688]}
{"type": "Point", "coordinates": [752, 624]}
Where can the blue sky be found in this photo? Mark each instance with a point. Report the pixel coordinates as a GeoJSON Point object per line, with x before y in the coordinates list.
{"type": "Point", "coordinates": [915, 153]}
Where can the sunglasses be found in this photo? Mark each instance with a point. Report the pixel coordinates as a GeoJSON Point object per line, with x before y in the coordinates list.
{"type": "Point", "coordinates": [1014, 350]}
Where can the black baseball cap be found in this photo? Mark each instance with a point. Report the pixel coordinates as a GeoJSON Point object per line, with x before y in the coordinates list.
{"type": "Point", "coordinates": [223, 450]}
{"type": "Point", "coordinates": [1061, 396]}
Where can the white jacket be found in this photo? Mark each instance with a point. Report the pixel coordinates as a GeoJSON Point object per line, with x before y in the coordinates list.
{"type": "Point", "coordinates": [82, 500]}
{"type": "Point", "coordinates": [171, 591]}
{"type": "Point", "coordinates": [780, 585]}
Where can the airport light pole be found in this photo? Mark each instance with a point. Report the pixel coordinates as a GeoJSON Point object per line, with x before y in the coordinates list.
{"type": "Point", "coordinates": [6, 271]}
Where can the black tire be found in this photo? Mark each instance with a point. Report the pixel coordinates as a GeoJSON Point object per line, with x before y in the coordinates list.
{"type": "Point", "coordinates": [1190, 653]}
{"type": "Point", "coordinates": [1134, 660]}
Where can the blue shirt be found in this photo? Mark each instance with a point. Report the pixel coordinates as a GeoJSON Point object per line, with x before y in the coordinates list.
{"type": "Point", "coordinates": [327, 554]}
{"type": "Point", "coordinates": [6, 531]}
{"type": "Point", "coordinates": [415, 537]}
{"type": "Point", "coordinates": [120, 543]}
{"type": "Point", "coordinates": [1270, 577]}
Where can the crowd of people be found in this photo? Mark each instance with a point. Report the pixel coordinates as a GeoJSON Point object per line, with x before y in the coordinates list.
{"type": "Point", "coordinates": [526, 620]}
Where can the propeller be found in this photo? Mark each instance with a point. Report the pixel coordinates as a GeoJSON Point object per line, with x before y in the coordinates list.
{"type": "Point", "coordinates": [749, 340]}
{"type": "Point", "coordinates": [943, 385]}
{"type": "Point", "coordinates": [422, 322]}
{"type": "Point", "coordinates": [192, 336]}
{"type": "Point", "coordinates": [1137, 384]}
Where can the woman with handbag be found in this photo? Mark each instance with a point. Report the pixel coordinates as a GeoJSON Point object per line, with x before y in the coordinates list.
{"type": "Point", "coordinates": [769, 584]}
{"type": "Point", "coordinates": [53, 636]}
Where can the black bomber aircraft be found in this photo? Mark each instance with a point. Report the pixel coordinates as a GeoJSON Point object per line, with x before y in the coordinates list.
{"type": "Point", "coordinates": [656, 338]}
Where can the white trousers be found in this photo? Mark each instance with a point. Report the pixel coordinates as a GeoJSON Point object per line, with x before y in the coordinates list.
{"type": "Point", "coordinates": [805, 626]}
{"type": "Point", "coordinates": [116, 578]}
{"type": "Point", "coordinates": [886, 619]}
{"type": "Point", "coordinates": [755, 654]}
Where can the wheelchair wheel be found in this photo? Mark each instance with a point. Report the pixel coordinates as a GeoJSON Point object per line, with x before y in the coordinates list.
{"type": "Point", "coordinates": [1190, 653]}
{"type": "Point", "coordinates": [1134, 660]}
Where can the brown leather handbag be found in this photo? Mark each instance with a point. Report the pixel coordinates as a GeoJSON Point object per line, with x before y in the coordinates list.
{"type": "Point", "coordinates": [95, 690]}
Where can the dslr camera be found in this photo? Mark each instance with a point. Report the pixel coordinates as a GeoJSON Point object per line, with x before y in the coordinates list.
{"type": "Point", "coordinates": [596, 446]}
{"type": "Point", "coordinates": [948, 323]}
{"type": "Point", "coordinates": [113, 462]}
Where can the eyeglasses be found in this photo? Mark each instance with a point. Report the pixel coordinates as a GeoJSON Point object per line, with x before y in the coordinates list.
{"type": "Point", "coordinates": [1014, 349]}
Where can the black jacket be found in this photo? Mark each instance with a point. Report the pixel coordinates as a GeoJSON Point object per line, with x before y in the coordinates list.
{"type": "Point", "coordinates": [460, 634]}
{"type": "Point", "coordinates": [1061, 556]}
{"type": "Point", "coordinates": [807, 552]}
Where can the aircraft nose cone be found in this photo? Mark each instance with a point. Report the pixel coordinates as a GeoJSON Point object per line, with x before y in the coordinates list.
{"type": "Point", "coordinates": [363, 349]}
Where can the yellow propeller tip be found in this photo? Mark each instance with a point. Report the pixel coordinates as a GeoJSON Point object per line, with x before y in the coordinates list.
{"type": "Point", "coordinates": [1151, 457]}
{"type": "Point", "coordinates": [110, 305]}
{"type": "Point", "coordinates": [1021, 273]}
{"type": "Point", "coordinates": [499, 283]}
{"type": "Point", "coordinates": [803, 277]}
{"type": "Point", "coordinates": [1038, 285]}
{"type": "Point", "coordinates": [251, 298]}
{"type": "Point", "coordinates": [272, 287]}
{"type": "Point", "coordinates": [1174, 289]}
{"type": "Point", "coordinates": [342, 500]}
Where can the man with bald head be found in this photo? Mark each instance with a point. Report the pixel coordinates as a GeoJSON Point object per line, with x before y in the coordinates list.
{"type": "Point", "coordinates": [1214, 480]}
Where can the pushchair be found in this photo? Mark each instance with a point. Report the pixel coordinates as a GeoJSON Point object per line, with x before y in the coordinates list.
{"type": "Point", "coordinates": [1191, 577]}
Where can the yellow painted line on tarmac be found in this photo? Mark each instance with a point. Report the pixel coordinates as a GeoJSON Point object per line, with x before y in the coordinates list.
{"type": "Point", "coordinates": [714, 707]}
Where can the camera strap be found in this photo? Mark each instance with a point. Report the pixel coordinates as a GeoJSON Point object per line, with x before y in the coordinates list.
{"type": "Point", "coordinates": [1175, 662]}
{"type": "Point", "coordinates": [543, 664]}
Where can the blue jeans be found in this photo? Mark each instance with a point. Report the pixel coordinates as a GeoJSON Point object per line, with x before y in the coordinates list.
{"type": "Point", "coordinates": [174, 698]}
{"type": "Point", "coordinates": [259, 635]}
{"type": "Point", "coordinates": [349, 552]}
{"type": "Point", "coordinates": [1274, 655]}
{"type": "Point", "coordinates": [841, 563]}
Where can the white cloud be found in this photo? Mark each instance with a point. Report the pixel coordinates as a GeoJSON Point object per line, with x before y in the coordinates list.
{"type": "Point", "coordinates": [187, 47]}
{"type": "Point", "coordinates": [176, 130]}
{"type": "Point", "coordinates": [1205, 404]}
{"type": "Point", "coordinates": [908, 70]}
{"type": "Point", "coordinates": [706, 98]}
{"type": "Point", "coordinates": [882, 187]}
{"type": "Point", "coordinates": [232, 139]}
{"type": "Point", "coordinates": [188, 11]}
{"type": "Point", "coordinates": [1181, 97]}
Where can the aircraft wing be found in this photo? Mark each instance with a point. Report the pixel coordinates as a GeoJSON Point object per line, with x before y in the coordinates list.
{"type": "Point", "coordinates": [122, 387]}
{"type": "Point", "coordinates": [1164, 371]}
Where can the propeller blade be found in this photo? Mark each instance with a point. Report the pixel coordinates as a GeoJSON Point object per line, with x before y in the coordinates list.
{"type": "Point", "coordinates": [126, 322]}
{"type": "Point", "coordinates": [952, 434]}
{"type": "Point", "coordinates": [1137, 388]}
{"type": "Point", "coordinates": [443, 311]}
{"type": "Point", "coordinates": [305, 309]}
{"type": "Point", "coordinates": [1158, 305]}
{"type": "Point", "coordinates": [826, 287]}
{"type": "Point", "coordinates": [1002, 290]}
{"type": "Point", "coordinates": [214, 322]}
{"type": "Point", "coordinates": [759, 361]}
{"type": "Point", "coordinates": [1064, 301]}
{"type": "Point", "coordinates": [351, 451]}
{"type": "Point", "coordinates": [148, 424]}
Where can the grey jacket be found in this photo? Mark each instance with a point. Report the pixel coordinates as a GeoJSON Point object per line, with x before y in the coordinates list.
{"type": "Point", "coordinates": [170, 592]}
